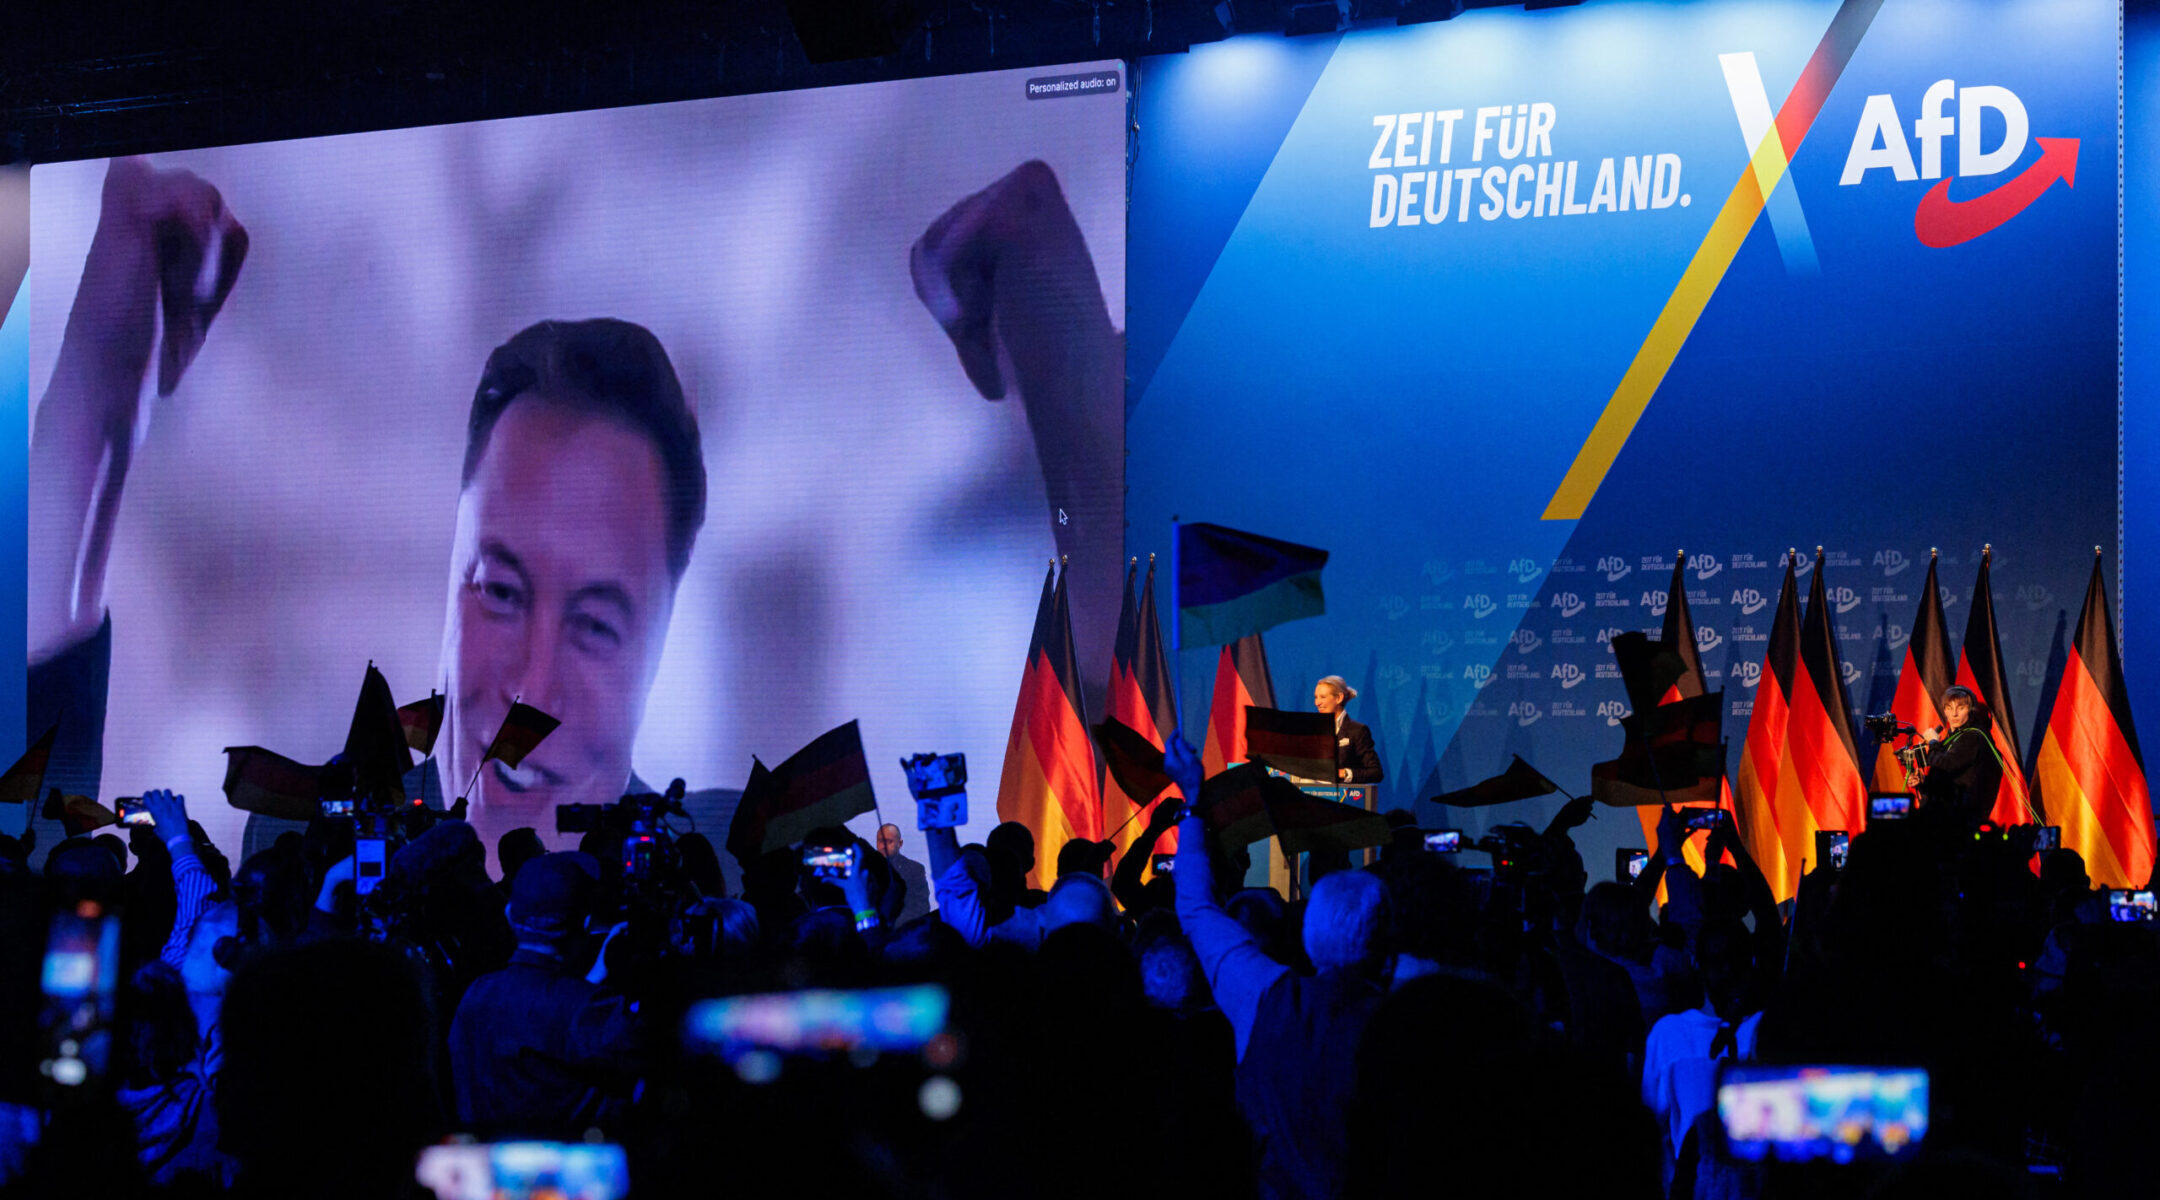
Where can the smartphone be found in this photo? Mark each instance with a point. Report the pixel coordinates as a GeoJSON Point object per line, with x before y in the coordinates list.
{"type": "Point", "coordinates": [818, 1023]}
{"type": "Point", "coordinates": [2047, 838]}
{"type": "Point", "coordinates": [132, 812]}
{"type": "Point", "coordinates": [525, 1171]}
{"type": "Point", "coordinates": [1830, 1114]}
{"type": "Point", "coordinates": [1889, 808]}
{"type": "Point", "coordinates": [338, 808]}
{"type": "Point", "coordinates": [1707, 819]}
{"type": "Point", "coordinates": [1831, 846]}
{"type": "Point", "coordinates": [80, 977]}
{"type": "Point", "coordinates": [826, 862]}
{"type": "Point", "coordinates": [1444, 841]}
{"type": "Point", "coordinates": [371, 860]}
{"type": "Point", "coordinates": [933, 775]}
{"type": "Point", "coordinates": [2127, 905]}
{"type": "Point", "coordinates": [1163, 864]}
{"type": "Point", "coordinates": [1629, 862]}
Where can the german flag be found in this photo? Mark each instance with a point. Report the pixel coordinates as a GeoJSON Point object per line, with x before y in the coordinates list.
{"type": "Point", "coordinates": [823, 784]}
{"type": "Point", "coordinates": [1140, 699]}
{"type": "Point", "coordinates": [1921, 680]}
{"type": "Point", "coordinates": [2090, 775]}
{"type": "Point", "coordinates": [1980, 668]}
{"type": "Point", "coordinates": [260, 781]}
{"type": "Point", "coordinates": [1230, 583]}
{"type": "Point", "coordinates": [1773, 822]}
{"type": "Point", "coordinates": [422, 721]}
{"type": "Point", "coordinates": [1050, 783]}
{"type": "Point", "coordinates": [1242, 681]}
{"type": "Point", "coordinates": [376, 744]}
{"type": "Point", "coordinates": [26, 779]}
{"type": "Point", "coordinates": [523, 729]}
{"type": "Point", "coordinates": [1678, 639]}
{"type": "Point", "coordinates": [1819, 728]}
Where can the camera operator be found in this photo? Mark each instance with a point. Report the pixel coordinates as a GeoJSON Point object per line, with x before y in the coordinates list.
{"type": "Point", "coordinates": [535, 1049]}
{"type": "Point", "coordinates": [1964, 769]}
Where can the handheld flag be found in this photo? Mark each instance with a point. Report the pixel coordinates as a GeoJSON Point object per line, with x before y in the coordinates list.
{"type": "Point", "coordinates": [259, 781]}
{"type": "Point", "coordinates": [1674, 672]}
{"type": "Point", "coordinates": [1135, 764]}
{"type": "Point", "coordinates": [1050, 782]}
{"type": "Point", "coordinates": [1981, 669]}
{"type": "Point", "coordinates": [1921, 680]}
{"type": "Point", "coordinates": [1142, 704]}
{"type": "Point", "coordinates": [422, 721]}
{"type": "Point", "coordinates": [823, 784]}
{"type": "Point", "coordinates": [1295, 743]}
{"type": "Point", "coordinates": [2090, 773]}
{"type": "Point", "coordinates": [1520, 781]}
{"type": "Point", "coordinates": [1231, 583]}
{"type": "Point", "coordinates": [375, 745]}
{"type": "Point", "coordinates": [523, 729]}
{"type": "Point", "coordinates": [26, 778]}
{"type": "Point", "coordinates": [77, 815]}
{"type": "Point", "coordinates": [1242, 681]}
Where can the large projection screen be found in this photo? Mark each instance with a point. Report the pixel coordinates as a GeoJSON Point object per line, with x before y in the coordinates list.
{"type": "Point", "coordinates": [307, 498]}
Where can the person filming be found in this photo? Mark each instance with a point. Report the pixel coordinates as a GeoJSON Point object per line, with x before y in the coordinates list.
{"type": "Point", "coordinates": [1964, 770]}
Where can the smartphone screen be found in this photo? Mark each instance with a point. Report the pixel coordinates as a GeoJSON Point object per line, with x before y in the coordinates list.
{"type": "Point", "coordinates": [1831, 846]}
{"type": "Point", "coordinates": [1444, 841]}
{"type": "Point", "coordinates": [1629, 863]}
{"type": "Point", "coordinates": [898, 1019]}
{"type": "Point", "coordinates": [525, 1171]}
{"type": "Point", "coordinates": [2047, 838]}
{"type": "Point", "coordinates": [132, 812]}
{"type": "Point", "coordinates": [1163, 864]}
{"type": "Point", "coordinates": [1889, 808]}
{"type": "Point", "coordinates": [1830, 1114]}
{"type": "Point", "coordinates": [2127, 905]}
{"type": "Point", "coordinates": [80, 977]}
{"type": "Point", "coordinates": [828, 863]}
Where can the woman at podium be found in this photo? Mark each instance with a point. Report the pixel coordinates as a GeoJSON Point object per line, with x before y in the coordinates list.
{"type": "Point", "coordinates": [1356, 761]}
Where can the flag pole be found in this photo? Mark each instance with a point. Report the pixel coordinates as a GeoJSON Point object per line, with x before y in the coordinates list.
{"type": "Point", "coordinates": [1177, 632]}
{"type": "Point", "coordinates": [475, 782]}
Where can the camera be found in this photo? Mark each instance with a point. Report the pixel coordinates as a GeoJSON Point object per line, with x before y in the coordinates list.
{"type": "Point", "coordinates": [1709, 819]}
{"type": "Point", "coordinates": [1164, 864]}
{"type": "Point", "coordinates": [1884, 726]}
{"type": "Point", "coordinates": [2125, 904]}
{"type": "Point", "coordinates": [939, 784]}
{"type": "Point", "coordinates": [1444, 841]}
{"type": "Point", "coordinates": [1889, 808]}
{"type": "Point", "coordinates": [1515, 848]}
{"type": "Point", "coordinates": [1629, 862]}
{"type": "Point", "coordinates": [639, 819]}
{"type": "Point", "coordinates": [132, 812]}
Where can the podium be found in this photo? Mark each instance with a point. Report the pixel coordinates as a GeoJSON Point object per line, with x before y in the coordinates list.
{"type": "Point", "coordinates": [1288, 877]}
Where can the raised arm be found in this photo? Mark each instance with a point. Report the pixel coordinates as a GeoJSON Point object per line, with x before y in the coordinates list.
{"type": "Point", "coordinates": [1237, 970]}
{"type": "Point", "coordinates": [1125, 882]}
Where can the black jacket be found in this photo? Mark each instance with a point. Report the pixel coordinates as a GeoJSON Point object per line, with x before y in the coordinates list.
{"type": "Point", "coordinates": [1354, 750]}
{"type": "Point", "coordinates": [1964, 773]}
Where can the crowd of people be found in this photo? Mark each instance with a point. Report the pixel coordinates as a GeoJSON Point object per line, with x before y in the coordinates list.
{"type": "Point", "coordinates": [1415, 1025]}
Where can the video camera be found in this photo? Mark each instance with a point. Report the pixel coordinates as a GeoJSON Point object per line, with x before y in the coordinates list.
{"type": "Point", "coordinates": [647, 852]}
{"type": "Point", "coordinates": [1884, 726]}
{"type": "Point", "coordinates": [1516, 849]}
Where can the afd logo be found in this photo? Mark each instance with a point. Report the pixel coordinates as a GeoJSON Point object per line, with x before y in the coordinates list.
{"type": "Point", "coordinates": [1846, 599]}
{"type": "Point", "coordinates": [1479, 605]}
{"type": "Point", "coordinates": [1394, 675]}
{"type": "Point", "coordinates": [1879, 143]}
{"type": "Point", "coordinates": [1439, 641]}
{"type": "Point", "coordinates": [1568, 603]}
{"type": "Point", "coordinates": [1614, 711]}
{"type": "Point", "coordinates": [1525, 640]}
{"type": "Point", "coordinates": [1607, 634]}
{"type": "Point", "coordinates": [1655, 602]}
{"type": "Point", "coordinates": [2034, 597]}
{"type": "Point", "coordinates": [1479, 674]}
{"type": "Point", "coordinates": [1525, 712]}
{"type": "Point", "coordinates": [1524, 569]}
{"type": "Point", "coordinates": [1749, 601]}
{"type": "Point", "coordinates": [2031, 671]}
{"type": "Point", "coordinates": [1850, 672]}
{"type": "Point", "coordinates": [1893, 635]}
{"type": "Point", "coordinates": [1892, 562]}
{"type": "Point", "coordinates": [1707, 639]}
{"type": "Point", "coordinates": [1394, 607]}
{"type": "Point", "coordinates": [1706, 565]}
{"type": "Point", "coordinates": [1746, 674]}
{"type": "Point", "coordinates": [1614, 567]}
{"type": "Point", "coordinates": [1568, 674]}
{"type": "Point", "coordinates": [1437, 570]}
{"type": "Point", "coordinates": [1947, 596]}
{"type": "Point", "coordinates": [1438, 710]}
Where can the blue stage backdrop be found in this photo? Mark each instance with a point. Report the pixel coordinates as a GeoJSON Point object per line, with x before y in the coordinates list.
{"type": "Point", "coordinates": [1408, 291]}
{"type": "Point", "coordinates": [14, 483]}
{"type": "Point", "coordinates": [2139, 615]}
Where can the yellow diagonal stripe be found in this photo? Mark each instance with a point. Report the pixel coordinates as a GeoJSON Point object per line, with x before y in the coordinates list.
{"type": "Point", "coordinates": [1670, 332]}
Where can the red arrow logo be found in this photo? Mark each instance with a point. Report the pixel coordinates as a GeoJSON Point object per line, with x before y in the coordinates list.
{"type": "Point", "coordinates": [1941, 222]}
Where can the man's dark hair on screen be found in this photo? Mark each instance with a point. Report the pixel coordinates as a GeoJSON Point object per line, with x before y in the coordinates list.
{"type": "Point", "coordinates": [615, 369]}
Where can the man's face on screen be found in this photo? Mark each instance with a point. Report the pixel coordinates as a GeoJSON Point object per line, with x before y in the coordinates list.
{"type": "Point", "coordinates": [560, 595]}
